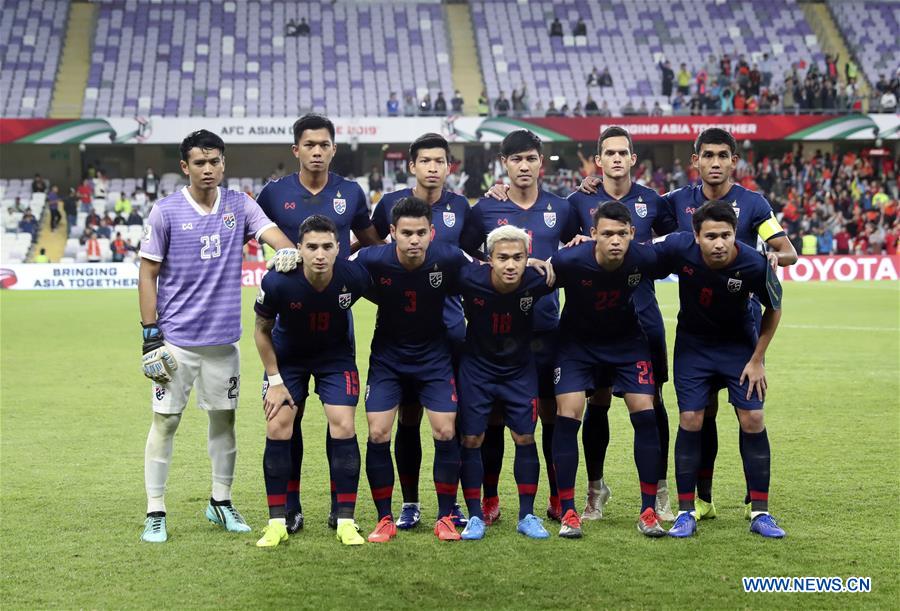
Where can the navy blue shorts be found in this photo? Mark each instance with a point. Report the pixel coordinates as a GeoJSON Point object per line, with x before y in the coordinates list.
{"type": "Point", "coordinates": [480, 389]}
{"type": "Point", "coordinates": [544, 345]}
{"type": "Point", "coordinates": [652, 323]}
{"type": "Point", "coordinates": [430, 383]}
{"type": "Point", "coordinates": [624, 365]}
{"type": "Point", "coordinates": [336, 380]}
{"type": "Point", "coordinates": [705, 365]}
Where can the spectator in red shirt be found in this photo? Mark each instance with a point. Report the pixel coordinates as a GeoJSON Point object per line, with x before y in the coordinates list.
{"type": "Point", "coordinates": [85, 194]}
{"type": "Point", "coordinates": [842, 240]}
{"type": "Point", "coordinates": [119, 248]}
{"type": "Point", "coordinates": [890, 241]}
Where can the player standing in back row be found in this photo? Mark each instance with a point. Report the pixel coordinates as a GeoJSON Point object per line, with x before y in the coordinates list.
{"type": "Point", "coordinates": [190, 298]}
{"type": "Point", "coordinates": [289, 201]}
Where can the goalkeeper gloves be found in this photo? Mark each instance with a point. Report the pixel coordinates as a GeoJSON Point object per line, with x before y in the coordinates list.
{"type": "Point", "coordinates": [285, 260]}
{"type": "Point", "coordinates": [157, 361]}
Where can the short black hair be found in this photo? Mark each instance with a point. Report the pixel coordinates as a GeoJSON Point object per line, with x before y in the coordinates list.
{"type": "Point", "coordinates": [201, 139]}
{"type": "Point", "coordinates": [613, 210]}
{"type": "Point", "coordinates": [715, 135]}
{"type": "Point", "coordinates": [411, 207]}
{"type": "Point", "coordinates": [428, 141]}
{"type": "Point", "coordinates": [312, 121]}
{"type": "Point", "coordinates": [715, 210]}
{"type": "Point", "coordinates": [317, 222]}
{"type": "Point", "coordinates": [520, 141]}
{"type": "Point", "coordinates": [615, 131]}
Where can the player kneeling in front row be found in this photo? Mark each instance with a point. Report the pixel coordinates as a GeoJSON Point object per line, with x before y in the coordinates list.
{"type": "Point", "coordinates": [497, 367]}
{"type": "Point", "coordinates": [303, 330]}
{"type": "Point", "coordinates": [602, 344]}
{"type": "Point", "coordinates": [715, 342]}
{"type": "Point", "coordinates": [190, 292]}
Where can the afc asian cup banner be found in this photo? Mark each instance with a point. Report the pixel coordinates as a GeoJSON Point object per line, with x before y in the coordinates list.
{"type": "Point", "coordinates": [60, 276]}
{"type": "Point", "coordinates": [384, 130]}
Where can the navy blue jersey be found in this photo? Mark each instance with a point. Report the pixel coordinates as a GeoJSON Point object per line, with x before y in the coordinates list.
{"type": "Point", "coordinates": [549, 221]}
{"type": "Point", "coordinates": [409, 324]}
{"type": "Point", "coordinates": [500, 324]}
{"type": "Point", "coordinates": [449, 215]}
{"type": "Point", "coordinates": [599, 303]}
{"type": "Point", "coordinates": [310, 323]}
{"type": "Point", "coordinates": [754, 213]}
{"type": "Point", "coordinates": [650, 215]}
{"type": "Point", "coordinates": [288, 203]}
{"type": "Point", "coordinates": [714, 303]}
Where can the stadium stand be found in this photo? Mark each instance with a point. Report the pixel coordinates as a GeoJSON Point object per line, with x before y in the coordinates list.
{"type": "Point", "coordinates": [233, 58]}
{"type": "Point", "coordinates": [31, 36]}
{"type": "Point", "coordinates": [629, 37]}
{"type": "Point", "coordinates": [871, 28]}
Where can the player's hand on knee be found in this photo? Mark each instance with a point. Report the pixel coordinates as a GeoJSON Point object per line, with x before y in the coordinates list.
{"type": "Point", "coordinates": [284, 260]}
{"type": "Point", "coordinates": [544, 268]}
{"type": "Point", "coordinates": [158, 361]}
{"type": "Point", "coordinates": [498, 191]}
{"type": "Point", "coordinates": [755, 373]}
{"type": "Point", "coordinates": [277, 396]}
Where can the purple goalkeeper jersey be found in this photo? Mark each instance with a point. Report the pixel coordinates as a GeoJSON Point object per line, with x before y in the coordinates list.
{"type": "Point", "coordinates": [199, 287]}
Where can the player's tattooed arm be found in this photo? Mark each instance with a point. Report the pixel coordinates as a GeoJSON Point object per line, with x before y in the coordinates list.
{"type": "Point", "coordinates": [277, 394]}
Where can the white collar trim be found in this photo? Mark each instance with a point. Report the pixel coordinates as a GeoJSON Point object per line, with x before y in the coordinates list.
{"type": "Point", "coordinates": [187, 195]}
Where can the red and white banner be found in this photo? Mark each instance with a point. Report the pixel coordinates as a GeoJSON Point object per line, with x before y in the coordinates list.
{"type": "Point", "coordinates": [842, 268]}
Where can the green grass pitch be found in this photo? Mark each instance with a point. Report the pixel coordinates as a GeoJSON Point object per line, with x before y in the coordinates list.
{"type": "Point", "coordinates": [75, 414]}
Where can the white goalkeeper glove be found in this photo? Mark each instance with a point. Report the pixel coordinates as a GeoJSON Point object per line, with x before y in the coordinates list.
{"type": "Point", "coordinates": [158, 362]}
{"type": "Point", "coordinates": [285, 260]}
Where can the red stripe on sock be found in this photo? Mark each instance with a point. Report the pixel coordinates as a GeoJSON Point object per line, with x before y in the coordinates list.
{"type": "Point", "coordinates": [347, 497]}
{"type": "Point", "coordinates": [471, 493]}
{"type": "Point", "coordinates": [491, 498]}
{"type": "Point", "coordinates": [294, 485]}
{"type": "Point", "coordinates": [566, 494]}
{"type": "Point", "coordinates": [685, 496]}
{"type": "Point", "coordinates": [382, 493]}
{"type": "Point", "coordinates": [527, 488]}
{"type": "Point", "coordinates": [705, 474]}
{"type": "Point", "coordinates": [648, 488]}
{"type": "Point", "coordinates": [275, 500]}
{"type": "Point", "coordinates": [491, 479]}
{"type": "Point", "coordinates": [759, 496]}
{"type": "Point", "coordinates": [442, 488]}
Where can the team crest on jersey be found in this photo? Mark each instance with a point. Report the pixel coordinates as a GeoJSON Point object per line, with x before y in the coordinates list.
{"type": "Point", "coordinates": [159, 392]}
{"type": "Point", "coordinates": [525, 303]}
{"type": "Point", "coordinates": [634, 279]}
{"type": "Point", "coordinates": [556, 375]}
{"type": "Point", "coordinates": [229, 220]}
{"type": "Point", "coordinates": [737, 211]}
{"type": "Point", "coordinates": [435, 279]}
{"type": "Point", "coordinates": [340, 204]}
{"type": "Point", "coordinates": [344, 300]}
{"type": "Point", "coordinates": [550, 219]}
{"type": "Point", "coordinates": [449, 219]}
{"type": "Point", "coordinates": [640, 208]}
{"type": "Point", "coordinates": [734, 285]}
